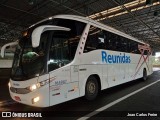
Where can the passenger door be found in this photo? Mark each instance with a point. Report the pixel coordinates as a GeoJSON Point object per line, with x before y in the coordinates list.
{"type": "Point", "coordinates": [59, 85]}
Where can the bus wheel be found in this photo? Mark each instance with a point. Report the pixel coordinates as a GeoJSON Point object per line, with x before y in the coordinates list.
{"type": "Point", "coordinates": [144, 74]}
{"type": "Point", "coordinates": [91, 90]}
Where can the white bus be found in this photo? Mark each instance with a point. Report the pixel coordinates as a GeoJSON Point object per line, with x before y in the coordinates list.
{"type": "Point", "coordinates": [65, 57]}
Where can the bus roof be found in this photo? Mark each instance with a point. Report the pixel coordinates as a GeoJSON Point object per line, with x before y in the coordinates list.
{"type": "Point", "coordinates": [92, 22]}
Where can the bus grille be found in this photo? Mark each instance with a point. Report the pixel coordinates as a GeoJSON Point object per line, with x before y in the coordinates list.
{"type": "Point", "coordinates": [20, 90]}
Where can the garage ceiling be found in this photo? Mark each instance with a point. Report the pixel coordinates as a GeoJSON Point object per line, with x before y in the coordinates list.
{"type": "Point", "coordinates": [133, 17]}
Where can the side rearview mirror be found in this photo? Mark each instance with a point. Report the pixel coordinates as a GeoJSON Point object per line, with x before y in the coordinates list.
{"type": "Point", "coordinates": [4, 47]}
{"type": "Point", "coordinates": [36, 34]}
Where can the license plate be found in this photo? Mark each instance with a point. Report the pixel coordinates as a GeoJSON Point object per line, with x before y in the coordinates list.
{"type": "Point", "coordinates": [17, 98]}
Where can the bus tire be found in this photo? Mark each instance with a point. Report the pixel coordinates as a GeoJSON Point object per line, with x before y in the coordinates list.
{"type": "Point", "coordinates": [91, 89]}
{"type": "Point", "coordinates": [144, 74]}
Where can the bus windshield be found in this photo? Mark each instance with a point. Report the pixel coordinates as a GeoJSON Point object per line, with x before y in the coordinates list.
{"type": "Point", "coordinates": [28, 61]}
{"type": "Point", "coordinates": [56, 49]}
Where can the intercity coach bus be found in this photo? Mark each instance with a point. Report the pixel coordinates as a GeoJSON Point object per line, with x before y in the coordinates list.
{"type": "Point", "coordinates": [66, 56]}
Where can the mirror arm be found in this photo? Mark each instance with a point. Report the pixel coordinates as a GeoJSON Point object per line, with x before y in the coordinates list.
{"type": "Point", "coordinates": [36, 34]}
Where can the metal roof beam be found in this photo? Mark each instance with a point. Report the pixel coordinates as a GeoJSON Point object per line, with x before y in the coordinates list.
{"type": "Point", "coordinates": [135, 17]}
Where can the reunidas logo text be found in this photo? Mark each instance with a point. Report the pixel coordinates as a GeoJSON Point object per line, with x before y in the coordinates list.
{"type": "Point", "coordinates": [121, 58]}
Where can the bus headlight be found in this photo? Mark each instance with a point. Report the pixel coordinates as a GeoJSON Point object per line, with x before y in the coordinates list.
{"type": "Point", "coordinates": [34, 87]}
{"type": "Point", "coordinates": [9, 84]}
{"type": "Point", "coordinates": [38, 85]}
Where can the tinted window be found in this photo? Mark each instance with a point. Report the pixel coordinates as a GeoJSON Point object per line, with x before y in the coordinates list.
{"type": "Point", "coordinates": [111, 40]}
{"type": "Point", "coordinates": [146, 52]}
{"type": "Point", "coordinates": [133, 47]}
{"type": "Point", "coordinates": [29, 61]}
{"type": "Point", "coordinates": [101, 39]}
{"type": "Point", "coordinates": [124, 44]}
{"type": "Point", "coordinates": [95, 40]}
{"type": "Point", "coordinates": [143, 50]}
{"type": "Point", "coordinates": [64, 44]}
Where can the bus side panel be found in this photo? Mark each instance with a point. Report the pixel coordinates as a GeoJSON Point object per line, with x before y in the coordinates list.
{"type": "Point", "coordinates": [59, 85]}
{"type": "Point", "coordinates": [73, 87]}
{"type": "Point", "coordinates": [138, 63]}
{"type": "Point", "coordinates": [64, 84]}
{"type": "Point", "coordinates": [135, 66]}
{"type": "Point", "coordinates": [43, 92]}
{"type": "Point", "coordinates": [84, 72]}
{"type": "Point", "coordinates": [90, 64]}
{"type": "Point", "coordinates": [113, 75]}
{"type": "Point", "coordinates": [124, 73]}
{"type": "Point", "coordinates": [105, 76]}
{"type": "Point", "coordinates": [117, 73]}
{"type": "Point", "coordinates": [150, 64]}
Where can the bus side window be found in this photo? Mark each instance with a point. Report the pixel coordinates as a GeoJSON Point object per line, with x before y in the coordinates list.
{"type": "Point", "coordinates": [107, 40]}
{"type": "Point", "coordinates": [111, 39]}
{"type": "Point", "coordinates": [134, 47]}
{"type": "Point", "coordinates": [95, 40]}
{"type": "Point", "coordinates": [146, 52]}
{"type": "Point", "coordinates": [101, 40]}
{"type": "Point", "coordinates": [124, 44]}
{"type": "Point", "coordinates": [128, 45]}
{"type": "Point", "coordinates": [118, 43]}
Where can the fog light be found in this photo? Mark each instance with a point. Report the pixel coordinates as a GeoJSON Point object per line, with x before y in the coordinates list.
{"type": "Point", "coordinates": [34, 100]}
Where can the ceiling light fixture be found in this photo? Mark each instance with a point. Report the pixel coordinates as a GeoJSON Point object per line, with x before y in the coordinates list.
{"type": "Point", "coordinates": [31, 2]}
{"type": "Point", "coordinates": [113, 12]}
